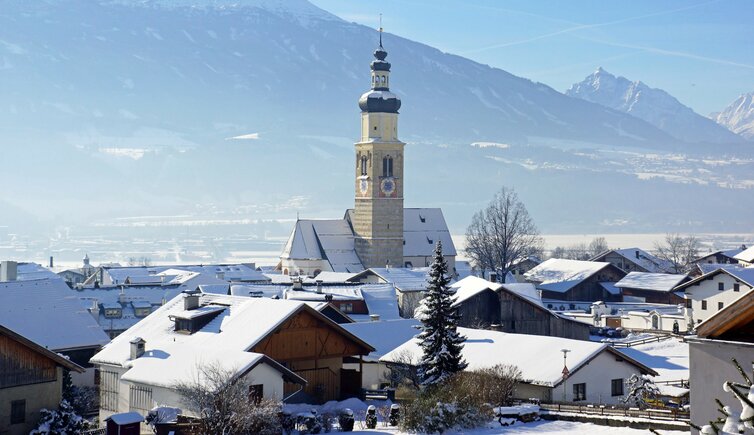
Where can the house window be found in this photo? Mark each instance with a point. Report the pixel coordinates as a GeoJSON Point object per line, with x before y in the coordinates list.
{"type": "Point", "coordinates": [256, 393]}
{"type": "Point", "coordinates": [140, 398]}
{"type": "Point", "coordinates": [108, 390]}
{"type": "Point", "coordinates": [736, 287]}
{"type": "Point", "coordinates": [616, 387]}
{"type": "Point", "coordinates": [688, 303]}
{"type": "Point", "coordinates": [579, 392]}
{"type": "Point", "coordinates": [112, 313]}
{"type": "Point", "coordinates": [720, 286]}
{"type": "Point", "coordinates": [704, 305]}
{"type": "Point", "coordinates": [719, 306]}
{"type": "Point", "coordinates": [346, 308]}
{"type": "Point", "coordinates": [17, 411]}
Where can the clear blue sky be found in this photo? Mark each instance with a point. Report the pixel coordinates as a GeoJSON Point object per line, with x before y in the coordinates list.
{"type": "Point", "coordinates": [702, 52]}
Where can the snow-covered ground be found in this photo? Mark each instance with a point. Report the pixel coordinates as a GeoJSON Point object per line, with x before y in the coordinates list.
{"type": "Point", "coordinates": [670, 358]}
{"type": "Point", "coordinates": [538, 427]}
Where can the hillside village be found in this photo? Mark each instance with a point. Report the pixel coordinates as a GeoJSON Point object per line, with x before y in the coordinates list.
{"type": "Point", "coordinates": [623, 338]}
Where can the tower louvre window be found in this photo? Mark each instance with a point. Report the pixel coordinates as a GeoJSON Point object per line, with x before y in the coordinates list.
{"type": "Point", "coordinates": [363, 165]}
{"type": "Point", "coordinates": [387, 166]}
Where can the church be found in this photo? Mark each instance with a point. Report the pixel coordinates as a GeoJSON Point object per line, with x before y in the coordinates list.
{"type": "Point", "coordinates": [378, 232]}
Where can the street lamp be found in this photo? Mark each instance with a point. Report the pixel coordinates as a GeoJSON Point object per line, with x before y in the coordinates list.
{"type": "Point", "coordinates": [565, 371]}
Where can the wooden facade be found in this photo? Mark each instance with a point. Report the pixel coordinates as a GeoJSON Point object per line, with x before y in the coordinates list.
{"type": "Point", "coordinates": [513, 313]}
{"type": "Point", "coordinates": [30, 380]}
{"type": "Point", "coordinates": [653, 296]}
{"type": "Point", "coordinates": [590, 289]}
{"type": "Point", "coordinates": [313, 347]}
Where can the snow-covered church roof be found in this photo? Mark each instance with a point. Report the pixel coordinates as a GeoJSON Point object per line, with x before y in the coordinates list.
{"type": "Point", "coordinates": [324, 239]}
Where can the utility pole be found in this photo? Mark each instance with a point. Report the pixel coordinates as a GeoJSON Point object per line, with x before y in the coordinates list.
{"type": "Point", "coordinates": [565, 371]}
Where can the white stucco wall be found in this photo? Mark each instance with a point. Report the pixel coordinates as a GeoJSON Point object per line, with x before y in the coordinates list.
{"type": "Point", "coordinates": [707, 290]}
{"type": "Point", "coordinates": [597, 375]}
{"type": "Point", "coordinates": [710, 366]}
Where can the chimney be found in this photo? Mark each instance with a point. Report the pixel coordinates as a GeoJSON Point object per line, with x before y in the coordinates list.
{"type": "Point", "coordinates": [298, 283]}
{"type": "Point", "coordinates": [122, 295]}
{"type": "Point", "coordinates": [95, 310]}
{"type": "Point", "coordinates": [374, 317]}
{"type": "Point", "coordinates": [319, 286]}
{"type": "Point", "coordinates": [191, 299]}
{"type": "Point", "coordinates": [52, 263]}
{"type": "Point", "coordinates": [493, 276]}
{"type": "Point", "coordinates": [137, 347]}
{"type": "Point", "coordinates": [8, 271]}
{"type": "Point", "coordinates": [220, 275]}
{"type": "Point", "coordinates": [637, 254]}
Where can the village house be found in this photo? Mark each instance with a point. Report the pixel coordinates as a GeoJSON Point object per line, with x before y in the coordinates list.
{"type": "Point", "coordinates": [515, 308]}
{"type": "Point", "coordinates": [39, 305]}
{"type": "Point", "coordinates": [745, 257]}
{"type": "Point", "coordinates": [294, 344]}
{"type": "Point", "coordinates": [653, 288]}
{"type": "Point", "coordinates": [118, 307]}
{"type": "Point", "coordinates": [31, 379]}
{"type": "Point", "coordinates": [634, 260]}
{"type": "Point", "coordinates": [727, 256]}
{"type": "Point", "coordinates": [713, 291]}
{"type": "Point", "coordinates": [114, 275]}
{"type": "Point", "coordinates": [575, 280]}
{"type": "Point", "coordinates": [410, 285]}
{"type": "Point", "coordinates": [597, 372]}
{"type": "Point", "coordinates": [725, 335]}
{"type": "Point", "coordinates": [520, 268]}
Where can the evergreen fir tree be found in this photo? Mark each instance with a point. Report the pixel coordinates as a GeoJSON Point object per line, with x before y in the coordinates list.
{"type": "Point", "coordinates": [440, 341]}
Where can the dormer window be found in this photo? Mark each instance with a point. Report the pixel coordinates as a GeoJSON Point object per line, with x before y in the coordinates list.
{"type": "Point", "coordinates": [113, 311]}
{"type": "Point", "coordinates": [191, 321]}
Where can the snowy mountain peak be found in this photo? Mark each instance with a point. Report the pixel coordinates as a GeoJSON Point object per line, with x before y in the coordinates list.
{"type": "Point", "coordinates": [738, 117]}
{"type": "Point", "coordinates": [650, 104]}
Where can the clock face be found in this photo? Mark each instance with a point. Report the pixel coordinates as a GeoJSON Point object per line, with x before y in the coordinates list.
{"type": "Point", "coordinates": [363, 186]}
{"type": "Point", "coordinates": [387, 186]}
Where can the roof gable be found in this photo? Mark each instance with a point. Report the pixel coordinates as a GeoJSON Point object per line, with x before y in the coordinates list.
{"type": "Point", "coordinates": [734, 322]}
{"type": "Point", "coordinates": [35, 347]}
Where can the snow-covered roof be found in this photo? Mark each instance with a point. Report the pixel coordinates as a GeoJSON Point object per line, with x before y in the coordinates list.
{"type": "Point", "coordinates": [470, 287]}
{"type": "Point", "coordinates": [324, 239]}
{"type": "Point", "coordinates": [538, 357]}
{"type": "Point", "coordinates": [33, 271]}
{"type": "Point", "coordinates": [172, 364]}
{"type": "Point", "coordinates": [381, 299]}
{"type": "Point", "coordinates": [422, 228]}
{"type": "Point", "coordinates": [661, 282]}
{"type": "Point", "coordinates": [706, 268]}
{"type": "Point", "coordinates": [339, 293]}
{"type": "Point", "coordinates": [638, 256]}
{"type": "Point", "coordinates": [744, 274]}
{"type": "Point", "coordinates": [180, 274]}
{"type": "Point", "coordinates": [669, 358]}
{"type": "Point", "coordinates": [405, 280]}
{"type": "Point", "coordinates": [327, 277]}
{"type": "Point", "coordinates": [610, 288]}
{"type": "Point", "coordinates": [525, 290]}
{"type": "Point", "coordinates": [126, 418]}
{"type": "Point", "coordinates": [242, 323]}
{"type": "Point", "coordinates": [48, 312]}
{"type": "Point", "coordinates": [384, 335]}
{"type": "Point", "coordinates": [746, 255]}
{"type": "Point", "coordinates": [560, 275]}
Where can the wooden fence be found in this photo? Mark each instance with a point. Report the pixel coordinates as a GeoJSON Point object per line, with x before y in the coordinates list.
{"type": "Point", "coordinates": [653, 414]}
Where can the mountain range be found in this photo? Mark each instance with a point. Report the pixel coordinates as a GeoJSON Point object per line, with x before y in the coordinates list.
{"type": "Point", "coordinates": [655, 106]}
{"type": "Point", "coordinates": [227, 110]}
{"type": "Point", "coordinates": [738, 117]}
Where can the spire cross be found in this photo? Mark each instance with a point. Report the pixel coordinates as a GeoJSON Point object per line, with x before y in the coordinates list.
{"type": "Point", "coordinates": [380, 30]}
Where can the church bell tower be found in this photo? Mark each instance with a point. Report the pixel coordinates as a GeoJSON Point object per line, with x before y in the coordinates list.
{"type": "Point", "coordinates": [378, 212]}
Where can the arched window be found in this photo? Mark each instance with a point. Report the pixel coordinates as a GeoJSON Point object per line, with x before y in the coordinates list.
{"type": "Point", "coordinates": [363, 165]}
{"type": "Point", "coordinates": [387, 166]}
{"type": "Point", "coordinates": [383, 80]}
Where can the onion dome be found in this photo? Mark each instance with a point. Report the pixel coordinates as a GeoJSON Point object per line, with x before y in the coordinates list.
{"type": "Point", "coordinates": [379, 98]}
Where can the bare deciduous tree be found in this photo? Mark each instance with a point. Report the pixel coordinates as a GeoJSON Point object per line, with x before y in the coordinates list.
{"type": "Point", "coordinates": [679, 251]}
{"type": "Point", "coordinates": [502, 234]}
{"type": "Point", "coordinates": [225, 406]}
{"type": "Point", "coordinates": [404, 371]}
{"type": "Point", "coordinates": [597, 246]}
